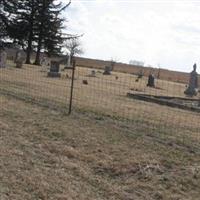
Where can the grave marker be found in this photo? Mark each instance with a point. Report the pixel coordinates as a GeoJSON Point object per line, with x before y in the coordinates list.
{"type": "Point", "coordinates": [19, 60]}
{"type": "Point", "coordinates": [151, 81]}
{"type": "Point", "coordinates": [54, 69]}
{"type": "Point", "coordinates": [107, 70]}
{"type": "Point", "coordinates": [193, 83]}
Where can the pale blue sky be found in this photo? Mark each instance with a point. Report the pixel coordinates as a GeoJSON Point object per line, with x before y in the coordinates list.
{"type": "Point", "coordinates": [155, 32]}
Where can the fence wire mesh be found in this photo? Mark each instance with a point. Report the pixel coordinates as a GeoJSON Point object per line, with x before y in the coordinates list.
{"type": "Point", "coordinates": [117, 144]}
{"type": "Point", "coordinates": [121, 96]}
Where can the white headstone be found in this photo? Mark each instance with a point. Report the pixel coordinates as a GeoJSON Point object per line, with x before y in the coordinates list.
{"type": "Point", "coordinates": [18, 56]}
{"type": "Point", "coordinates": [19, 59]}
{"type": "Point", "coordinates": [45, 63]}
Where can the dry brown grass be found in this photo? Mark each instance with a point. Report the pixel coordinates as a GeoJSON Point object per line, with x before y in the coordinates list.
{"type": "Point", "coordinates": [47, 155]}
{"type": "Point", "coordinates": [103, 94]}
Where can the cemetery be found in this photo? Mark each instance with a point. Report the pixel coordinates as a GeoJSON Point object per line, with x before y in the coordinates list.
{"type": "Point", "coordinates": [189, 103]}
{"type": "Point", "coordinates": [74, 127]}
{"type": "Point", "coordinates": [119, 93]}
{"type": "Point", "coordinates": [139, 87]}
{"type": "Point", "coordinates": [100, 104]}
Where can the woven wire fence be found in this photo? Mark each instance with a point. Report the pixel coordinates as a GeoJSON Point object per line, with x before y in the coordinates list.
{"type": "Point", "coordinates": [119, 95]}
{"type": "Point", "coordinates": [31, 83]}
{"type": "Point", "coordinates": [125, 96]}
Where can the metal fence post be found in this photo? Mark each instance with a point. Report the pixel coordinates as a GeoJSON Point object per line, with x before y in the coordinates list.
{"type": "Point", "coordinates": [72, 87]}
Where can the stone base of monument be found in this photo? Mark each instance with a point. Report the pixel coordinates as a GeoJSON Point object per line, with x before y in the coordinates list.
{"type": "Point", "coordinates": [54, 74]}
{"type": "Point", "coordinates": [176, 102]}
{"type": "Point", "coordinates": [191, 92]}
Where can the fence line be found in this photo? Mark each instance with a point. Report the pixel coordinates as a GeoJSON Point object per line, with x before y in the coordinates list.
{"type": "Point", "coordinates": [118, 95]}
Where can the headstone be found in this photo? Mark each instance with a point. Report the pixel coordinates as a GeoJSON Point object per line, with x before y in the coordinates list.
{"type": "Point", "coordinates": [16, 56]}
{"type": "Point", "coordinates": [3, 58]}
{"type": "Point", "coordinates": [54, 69]}
{"type": "Point", "coordinates": [107, 70]}
{"type": "Point", "coordinates": [193, 83]}
{"type": "Point", "coordinates": [151, 81]}
{"type": "Point", "coordinates": [68, 62]}
{"type": "Point", "coordinates": [18, 60]}
{"type": "Point", "coordinates": [44, 62]}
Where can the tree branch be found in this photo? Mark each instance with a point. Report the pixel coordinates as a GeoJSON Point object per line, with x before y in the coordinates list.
{"type": "Point", "coordinates": [72, 36]}
{"type": "Point", "coordinates": [64, 7]}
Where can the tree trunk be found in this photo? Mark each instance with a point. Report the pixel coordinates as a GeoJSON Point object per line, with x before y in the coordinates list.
{"type": "Point", "coordinates": [39, 46]}
{"type": "Point", "coordinates": [30, 38]}
{"type": "Point", "coordinates": [29, 49]}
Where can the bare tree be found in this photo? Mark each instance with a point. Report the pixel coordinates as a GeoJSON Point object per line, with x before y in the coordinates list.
{"type": "Point", "coordinates": [74, 47]}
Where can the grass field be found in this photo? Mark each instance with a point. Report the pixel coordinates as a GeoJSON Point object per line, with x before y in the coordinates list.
{"type": "Point", "coordinates": [103, 94]}
{"type": "Point", "coordinates": [111, 147]}
{"type": "Point", "coordinates": [47, 155]}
